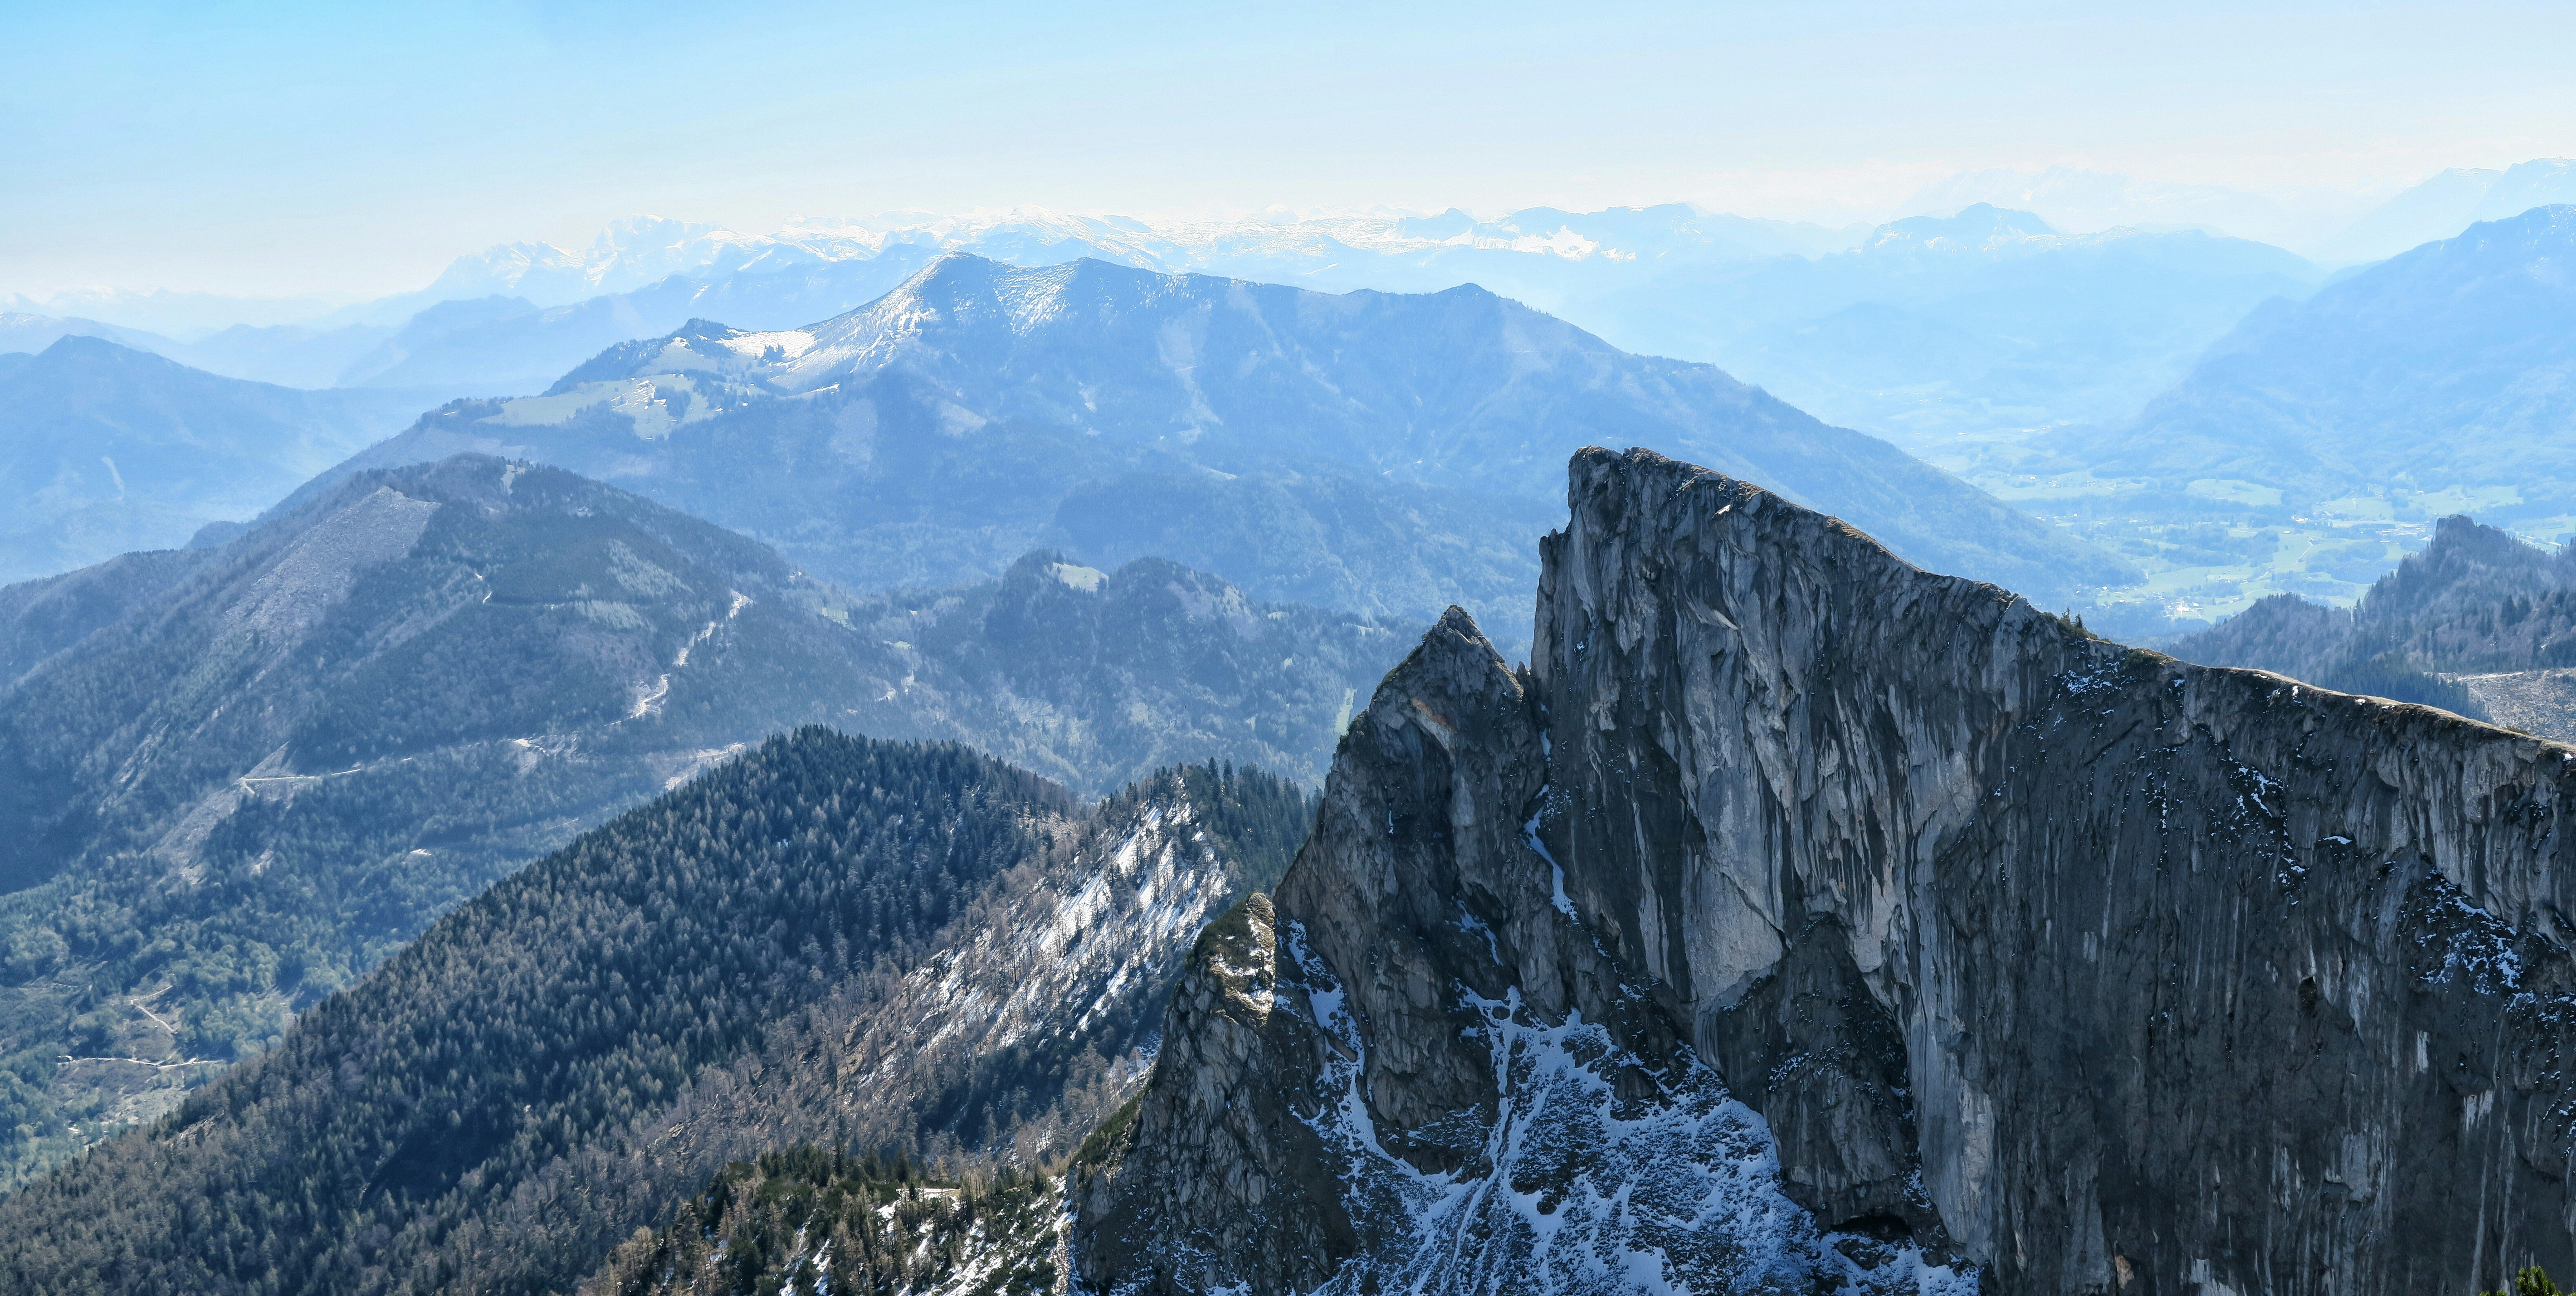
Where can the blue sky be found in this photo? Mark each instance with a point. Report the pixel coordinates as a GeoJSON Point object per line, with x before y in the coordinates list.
{"type": "Point", "coordinates": [294, 148]}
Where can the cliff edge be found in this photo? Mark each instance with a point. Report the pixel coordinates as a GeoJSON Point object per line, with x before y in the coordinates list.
{"type": "Point", "coordinates": [1801, 919]}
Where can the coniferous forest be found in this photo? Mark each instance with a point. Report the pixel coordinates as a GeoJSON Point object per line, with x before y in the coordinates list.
{"type": "Point", "coordinates": [467, 1118]}
{"type": "Point", "coordinates": [805, 1221]}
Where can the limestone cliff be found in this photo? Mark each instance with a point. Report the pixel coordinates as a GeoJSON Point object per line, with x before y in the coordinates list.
{"type": "Point", "coordinates": [1790, 873]}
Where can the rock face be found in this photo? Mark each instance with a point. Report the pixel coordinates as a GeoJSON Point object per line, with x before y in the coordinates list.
{"type": "Point", "coordinates": [2046, 965]}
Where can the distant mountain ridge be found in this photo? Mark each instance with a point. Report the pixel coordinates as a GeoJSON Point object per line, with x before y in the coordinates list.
{"type": "Point", "coordinates": [2318, 441]}
{"type": "Point", "coordinates": [105, 449]}
{"type": "Point", "coordinates": [1668, 280]}
{"type": "Point", "coordinates": [1383, 452]}
{"type": "Point", "coordinates": [499, 344]}
{"type": "Point", "coordinates": [1872, 343]}
{"type": "Point", "coordinates": [20, 331]}
{"type": "Point", "coordinates": [649, 274]}
{"type": "Point", "coordinates": [2436, 380]}
{"type": "Point", "coordinates": [633, 253]}
{"type": "Point", "coordinates": [512, 347]}
{"type": "Point", "coordinates": [173, 313]}
{"type": "Point", "coordinates": [2445, 205]}
{"type": "Point", "coordinates": [2082, 199]}
{"type": "Point", "coordinates": [1939, 330]}
{"type": "Point", "coordinates": [286, 355]}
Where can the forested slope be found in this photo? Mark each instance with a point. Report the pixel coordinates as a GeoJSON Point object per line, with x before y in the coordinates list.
{"type": "Point", "coordinates": [806, 1220]}
{"type": "Point", "coordinates": [559, 1061]}
{"type": "Point", "coordinates": [2479, 623]}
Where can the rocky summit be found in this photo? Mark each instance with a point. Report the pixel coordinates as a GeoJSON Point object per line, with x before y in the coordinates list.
{"type": "Point", "coordinates": [1798, 919]}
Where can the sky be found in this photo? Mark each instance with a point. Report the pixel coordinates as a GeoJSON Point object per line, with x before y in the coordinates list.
{"type": "Point", "coordinates": [352, 150]}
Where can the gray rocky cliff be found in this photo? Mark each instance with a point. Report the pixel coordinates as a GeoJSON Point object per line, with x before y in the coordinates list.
{"type": "Point", "coordinates": [1790, 873]}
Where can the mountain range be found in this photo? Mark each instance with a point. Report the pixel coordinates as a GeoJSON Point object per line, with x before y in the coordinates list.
{"type": "Point", "coordinates": [1387, 453]}
{"type": "Point", "coordinates": [2091, 201]}
{"type": "Point", "coordinates": [1670, 280]}
{"type": "Point", "coordinates": [1984, 341]}
{"type": "Point", "coordinates": [180, 313]}
{"type": "Point", "coordinates": [21, 331]}
{"type": "Point", "coordinates": [2445, 205]}
{"type": "Point", "coordinates": [507, 346]}
{"type": "Point", "coordinates": [903, 756]}
{"type": "Point", "coordinates": [1327, 516]}
{"type": "Point", "coordinates": [1937, 331]}
{"type": "Point", "coordinates": [638, 252]}
{"type": "Point", "coordinates": [1639, 277]}
{"type": "Point", "coordinates": [2317, 442]}
{"type": "Point", "coordinates": [510, 319]}
{"type": "Point", "coordinates": [2432, 380]}
{"type": "Point", "coordinates": [1578, 264]}
{"type": "Point", "coordinates": [238, 777]}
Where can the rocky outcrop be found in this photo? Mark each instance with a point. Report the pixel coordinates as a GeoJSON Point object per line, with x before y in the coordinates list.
{"type": "Point", "coordinates": [1790, 873]}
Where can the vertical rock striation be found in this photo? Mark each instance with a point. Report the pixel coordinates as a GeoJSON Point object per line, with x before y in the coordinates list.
{"type": "Point", "coordinates": [2047, 965]}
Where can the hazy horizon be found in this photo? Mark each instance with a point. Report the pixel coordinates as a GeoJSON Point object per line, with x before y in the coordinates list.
{"type": "Point", "coordinates": [283, 150]}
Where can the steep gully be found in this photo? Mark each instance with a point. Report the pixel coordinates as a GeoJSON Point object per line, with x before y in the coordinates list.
{"type": "Point", "coordinates": [1799, 919]}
